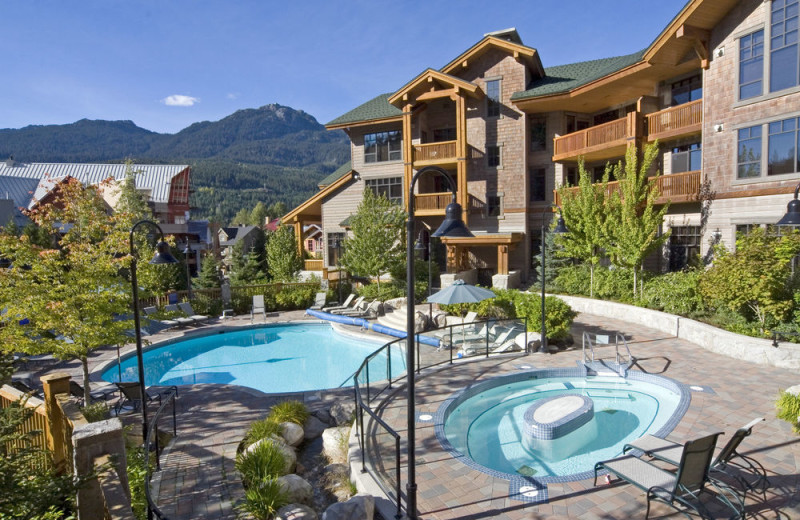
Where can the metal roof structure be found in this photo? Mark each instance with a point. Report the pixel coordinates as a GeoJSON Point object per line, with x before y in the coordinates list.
{"type": "Point", "coordinates": [155, 178]}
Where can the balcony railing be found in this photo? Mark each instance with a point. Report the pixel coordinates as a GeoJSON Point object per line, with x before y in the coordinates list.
{"type": "Point", "coordinates": [677, 187]}
{"type": "Point", "coordinates": [431, 203]}
{"type": "Point", "coordinates": [435, 153]}
{"type": "Point", "coordinates": [314, 265]}
{"type": "Point", "coordinates": [599, 141]}
{"type": "Point", "coordinates": [682, 120]}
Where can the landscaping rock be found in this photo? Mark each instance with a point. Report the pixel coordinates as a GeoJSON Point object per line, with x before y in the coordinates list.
{"type": "Point", "coordinates": [337, 478]}
{"type": "Point", "coordinates": [324, 416]}
{"type": "Point", "coordinates": [297, 489]}
{"type": "Point", "coordinates": [314, 428]}
{"type": "Point", "coordinates": [296, 512]}
{"type": "Point", "coordinates": [360, 507]}
{"type": "Point", "coordinates": [794, 390]}
{"type": "Point", "coordinates": [289, 456]}
{"type": "Point", "coordinates": [343, 412]}
{"type": "Point", "coordinates": [335, 444]}
{"type": "Point", "coordinates": [292, 433]}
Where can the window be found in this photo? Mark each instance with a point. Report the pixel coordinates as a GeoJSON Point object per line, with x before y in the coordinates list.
{"type": "Point", "coordinates": [571, 177]}
{"type": "Point", "coordinates": [783, 65]}
{"type": "Point", "coordinates": [749, 153]}
{"type": "Point", "coordinates": [444, 134]}
{"type": "Point", "coordinates": [687, 90]}
{"type": "Point", "coordinates": [684, 244]}
{"type": "Point", "coordinates": [493, 156]}
{"type": "Point", "coordinates": [493, 98]}
{"type": "Point", "coordinates": [782, 147]}
{"type": "Point", "coordinates": [575, 124]}
{"type": "Point", "coordinates": [751, 65]}
{"type": "Point", "coordinates": [391, 188]}
{"type": "Point", "coordinates": [606, 117]}
{"type": "Point", "coordinates": [310, 244]}
{"type": "Point", "coordinates": [537, 176]}
{"type": "Point", "coordinates": [333, 252]}
{"type": "Point", "coordinates": [538, 134]}
{"type": "Point", "coordinates": [494, 205]}
{"type": "Point", "coordinates": [383, 146]}
{"type": "Point", "coordinates": [686, 158]}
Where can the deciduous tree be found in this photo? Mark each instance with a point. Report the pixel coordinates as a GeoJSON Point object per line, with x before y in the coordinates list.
{"type": "Point", "coordinates": [282, 257]}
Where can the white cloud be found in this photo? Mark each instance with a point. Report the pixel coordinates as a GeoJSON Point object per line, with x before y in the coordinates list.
{"type": "Point", "coordinates": [232, 95]}
{"type": "Point", "coordinates": [179, 100]}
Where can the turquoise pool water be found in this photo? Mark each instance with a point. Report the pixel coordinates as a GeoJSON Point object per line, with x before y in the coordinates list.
{"type": "Point", "coordinates": [488, 426]}
{"type": "Point", "coordinates": [273, 359]}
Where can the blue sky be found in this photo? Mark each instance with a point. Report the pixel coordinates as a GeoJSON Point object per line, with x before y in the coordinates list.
{"type": "Point", "coordinates": [168, 63]}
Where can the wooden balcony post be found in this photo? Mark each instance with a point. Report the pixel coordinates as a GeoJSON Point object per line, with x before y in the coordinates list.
{"type": "Point", "coordinates": [408, 154]}
{"type": "Point", "coordinates": [461, 168]}
{"type": "Point", "coordinates": [502, 259]}
{"type": "Point", "coordinates": [52, 385]}
{"type": "Point", "coordinates": [298, 236]}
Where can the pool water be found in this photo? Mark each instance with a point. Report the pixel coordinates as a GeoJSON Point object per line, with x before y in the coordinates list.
{"type": "Point", "coordinates": [488, 427]}
{"type": "Point", "coordinates": [272, 359]}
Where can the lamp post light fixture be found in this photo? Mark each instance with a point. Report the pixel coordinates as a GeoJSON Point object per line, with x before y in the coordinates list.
{"type": "Point", "coordinates": [423, 249]}
{"type": "Point", "coordinates": [452, 226]}
{"type": "Point", "coordinates": [561, 228]}
{"type": "Point", "coordinates": [792, 217]}
{"type": "Point", "coordinates": [187, 251]}
{"type": "Point", "coordinates": [161, 256]}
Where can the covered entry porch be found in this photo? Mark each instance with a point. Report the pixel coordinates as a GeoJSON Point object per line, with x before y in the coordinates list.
{"type": "Point", "coordinates": [462, 253]}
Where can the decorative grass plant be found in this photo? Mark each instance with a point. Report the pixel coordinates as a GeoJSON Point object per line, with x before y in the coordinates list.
{"type": "Point", "coordinates": [788, 406]}
{"type": "Point", "coordinates": [289, 411]}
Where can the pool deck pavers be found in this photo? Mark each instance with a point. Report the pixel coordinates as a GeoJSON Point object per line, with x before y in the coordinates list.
{"type": "Point", "coordinates": [198, 479]}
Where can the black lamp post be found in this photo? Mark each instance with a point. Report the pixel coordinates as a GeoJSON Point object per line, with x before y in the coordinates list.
{"type": "Point", "coordinates": [423, 249]}
{"type": "Point", "coordinates": [452, 226]}
{"type": "Point", "coordinates": [162, 256]}
{"type": "Point", "coordinates": [792, 217]}
{"type": "Point", "coordinates": [560, 229]}
{"type": "Point", "coordinates": [338, 246]}
{"type": "Point", "coordinates": [187, 251]}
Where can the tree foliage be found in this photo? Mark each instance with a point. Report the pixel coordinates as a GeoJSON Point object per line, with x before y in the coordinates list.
{"type": "Point", "coordinates": [209, 276]}
{"type": "Point", "coordinates": [755, 278]}
{"type": "Point", "coordinates": [282, 257]}
{"type": "Point", "coordinates": [64, 299]}
{"type": "Point", "coordinates": [376, 244]}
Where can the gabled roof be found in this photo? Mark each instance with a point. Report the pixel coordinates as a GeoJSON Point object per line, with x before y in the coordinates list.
{"type": "Point", "coordinates": [153, 177]}
{"type": "Point", "coordinates": [564, 78]}
{"type": "Point", "coordinates": [494, 41]}
{"type": "Point", "coordinates": [312, 207]}
{"type": "Point", "coordinates": [333, 177]}
{"type": "Point", "coordinates": [18, 189]}
{"type": "Point", "coordinates": [376, 109]}
{"type": "Point", "coordinates": [428, 76]}
{"type": "Point", "coordinates": [235, 234]}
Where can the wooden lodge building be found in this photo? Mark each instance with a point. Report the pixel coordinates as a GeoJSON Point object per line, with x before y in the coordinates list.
{"type": "Point", "coordinates": [719, 88]}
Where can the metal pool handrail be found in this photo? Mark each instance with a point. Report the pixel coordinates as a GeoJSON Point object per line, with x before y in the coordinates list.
{"type": "Point", "coordinates": [152, 507]}
{"type": "Point", "coordinates": [363, 388]}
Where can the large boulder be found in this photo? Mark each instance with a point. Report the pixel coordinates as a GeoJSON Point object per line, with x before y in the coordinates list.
{"type": "Point", "coordinates": [296, 512]}
{"type": "Point", "coordinates": [313, 428]}
{"type": "Point", "coordinates": [337, 477]}
{"type": "Point", "coordinates": [343, 412]}
{"type": "Point", "coordinates": [360, 507]}
{"type": "Point", "coordinates": [289, 456]}
{"type": "Point", "coordinates": [297, 489]}
{"type": "Point", "coordinates": [292, 433]}
{"type": "Point", "coordinates": [335, 444]}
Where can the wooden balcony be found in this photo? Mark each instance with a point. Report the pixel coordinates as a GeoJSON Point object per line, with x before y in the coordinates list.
{"type": "Point", "coordinates": [597, 143]}
{"type": "Point", "coordinates": [314, 265]}
{"type": "Point", "coordinates": [442, 154]}
{"type": "Point", "coordinates": [427, 204]}
{"type": "Point", "coordinates": [674, 122]}
{"type": "Point", "coordinates": [674, 188]}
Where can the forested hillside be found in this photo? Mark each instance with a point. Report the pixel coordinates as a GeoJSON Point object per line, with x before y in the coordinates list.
{"type": "Point", "coordinates": [270, 154]}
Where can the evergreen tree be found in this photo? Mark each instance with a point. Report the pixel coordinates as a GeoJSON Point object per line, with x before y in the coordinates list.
{"type": "Point", "coordinates": [209, 277]}
{"type": "Point", "coordinates": [242, 218]}
{"type": "Point", "coordinates": [131, 203]}
{"type": "Point", "coordinates": [282, 257]}
{"type": "Point", "coordinates": [248, 270]}
{"type": "Point", "coordinates": [554, 257]}
{"type": "Point", "coordinates": [277, 210]}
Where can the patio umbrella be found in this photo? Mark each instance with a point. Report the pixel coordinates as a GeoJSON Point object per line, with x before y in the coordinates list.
{"type": "Point", "coordinates": [461, 292]}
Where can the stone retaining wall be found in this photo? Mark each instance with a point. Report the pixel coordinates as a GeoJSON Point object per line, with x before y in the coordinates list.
{"type": "Point", "coordinates": [754, 350]}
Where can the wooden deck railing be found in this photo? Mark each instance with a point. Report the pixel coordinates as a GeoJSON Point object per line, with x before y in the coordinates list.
{"type": "Point", "coordinates": [314, 265]}
{"type": "Point", "coordinates": [677, 187]}
{"type": "Point", "coordinates": [680, 120]}
{"type": "Point", "coordinates": [435, 151]}
{"type": "Point", "coordinates": [37, 422]}
{"type": "Point", "coordinates": [432, 201]}
{"type": "Point", "coordinates": [606, 133]}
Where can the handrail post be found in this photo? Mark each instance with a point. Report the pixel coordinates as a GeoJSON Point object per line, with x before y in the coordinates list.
{"type": "Point", "coordinates": [486, 324]}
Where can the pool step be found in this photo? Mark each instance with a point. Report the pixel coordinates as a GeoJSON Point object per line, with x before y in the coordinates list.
{"type": "Point", "coordinates": [603, 368]}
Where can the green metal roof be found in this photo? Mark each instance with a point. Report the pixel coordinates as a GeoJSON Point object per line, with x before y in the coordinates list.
{"type": "Point", "coordinates": [564, 78]}
{"type": "Point", "coordinates": [376, 108]}
{"type": "Point", "coordinates": [341, 170]}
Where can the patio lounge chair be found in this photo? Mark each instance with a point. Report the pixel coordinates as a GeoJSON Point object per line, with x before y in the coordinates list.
{"type": "Point", "coordinates": [457, 320]}
{"type": "Point", "coordinates": [671, 453]}
{"type": "Point", "coordinates": [319, 301]}
{"type": "Point", "coordinates": [373, 310]}
{"type": "Point", "coordinates": [76, 390]}
{"type": "Point", "coordinates": [149, 312]}
{"type": "Point", "coordinates": [502, 343]}
{"type": "Point", "coordinates": [187, 308]}
{"type": "Point", "coordinates": [181, 321]}
{"type": "Point", "coordinates": [25, 388]}
{"type": "Point", "coordinates": [358, 308]}
{"type": "Point", "coordinates": [681, 489]}
{"type": "Point", "coordinates": [258, 307]}
{"type": "Point", "coordinates": [130, 393]}
{"type": "Point", "coordinates": [344, 305]}
{"type": "Point", "coordinates": [357, 304]}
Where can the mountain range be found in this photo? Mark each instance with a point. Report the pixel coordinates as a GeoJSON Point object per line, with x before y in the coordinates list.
{"type": "Point", "coordinates": [268, 154]}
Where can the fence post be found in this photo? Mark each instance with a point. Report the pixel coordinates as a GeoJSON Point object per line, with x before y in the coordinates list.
{"type": "Point", "coordinates": [53, 384]}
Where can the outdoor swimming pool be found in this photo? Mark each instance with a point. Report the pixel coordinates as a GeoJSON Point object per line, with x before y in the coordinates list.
{"type": "Point", "coordinates": [554, 425]}
{"type": "Point", "coordinates": [272, 359]}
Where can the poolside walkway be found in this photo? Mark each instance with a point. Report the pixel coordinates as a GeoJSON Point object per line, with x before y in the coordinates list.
{"type": "Point", "coordinates": [733, 393]}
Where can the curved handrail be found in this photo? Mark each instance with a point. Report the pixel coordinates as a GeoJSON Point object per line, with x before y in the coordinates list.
{"type": "Point", "coordinates": [152, 507]}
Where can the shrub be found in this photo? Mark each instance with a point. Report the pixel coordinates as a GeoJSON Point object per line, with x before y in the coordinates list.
{"type": "Point", "coordinates": [558, 315]}
{"type": "Point", "coordinates": [294, 297]}
{"type": "Point", "coordinates": [205, 304]}
{"type": "Point", "coordinates": [263, 462]}
{"type": "Point", "coordinates": [501, 306]}
{"type": "Point", "coordinates": [95, 412]}
{"type": "Point", "coordinates": [788, 406]}
{"type": "Point", "coordinates": [262, 429]}
{"type": "Point", "coordinates": [289, 411]}
{"type": "Point", "coordinates": [573, 279]}
{"type": "Point", "coordinates": [676, 293]}
{"type": "Point", "coordinates": [137, 471]}
{"type": "Point", "coordinates": [386, 291]}
{"type": "Point", "coordinates": [263, 499]}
